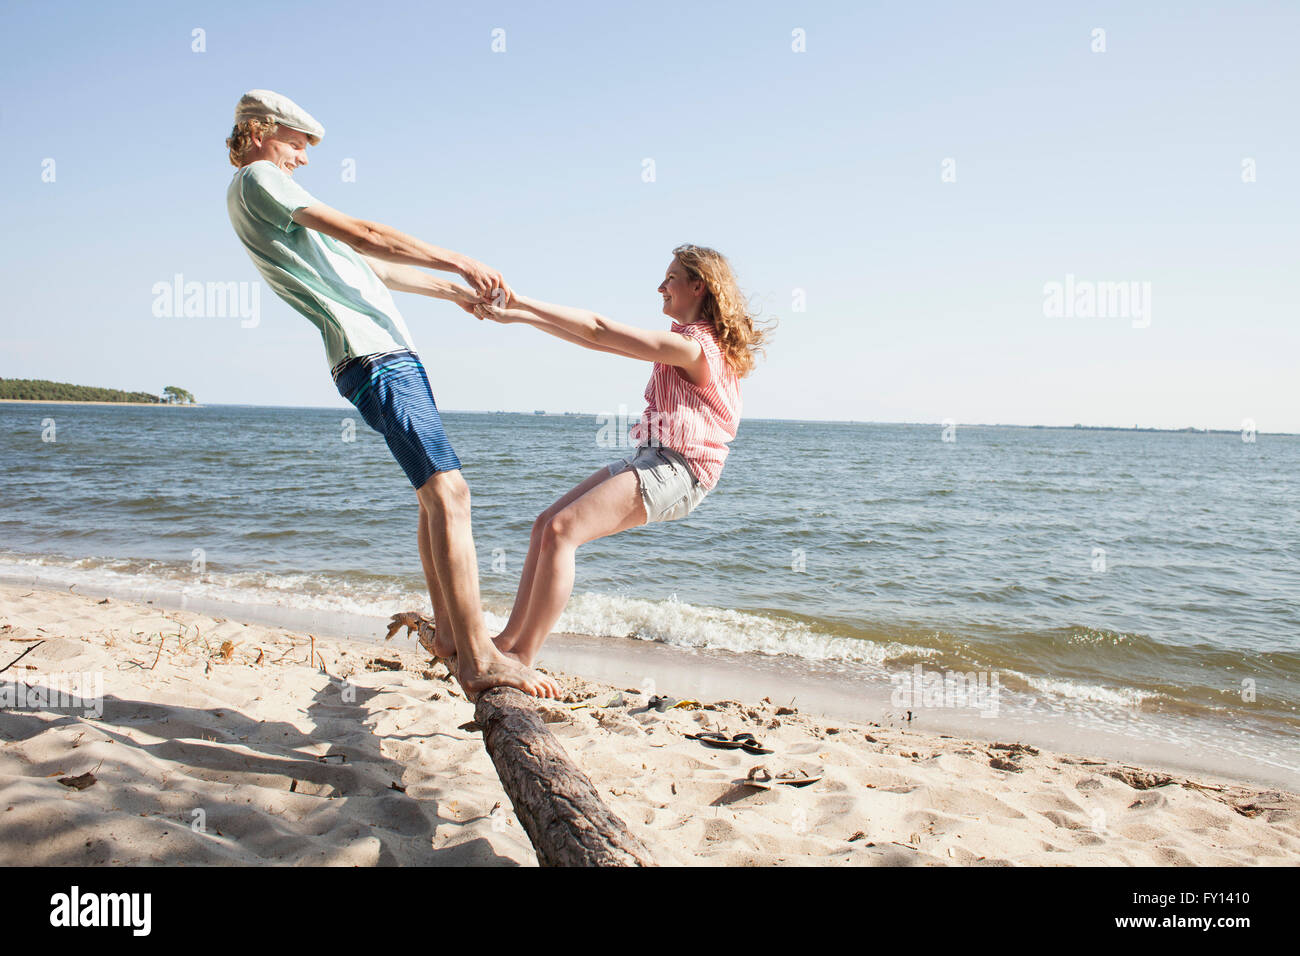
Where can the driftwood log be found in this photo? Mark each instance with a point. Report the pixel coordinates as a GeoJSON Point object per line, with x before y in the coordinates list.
{"type": "Point", "coordinates": [563, 815]}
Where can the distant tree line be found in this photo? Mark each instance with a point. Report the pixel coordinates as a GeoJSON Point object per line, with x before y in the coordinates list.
{"type": "Point", "coordinates": [39, 390]}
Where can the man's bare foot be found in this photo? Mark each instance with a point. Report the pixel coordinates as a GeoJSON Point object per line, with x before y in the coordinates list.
{"type": "Point", "coordinates": [503, 670]}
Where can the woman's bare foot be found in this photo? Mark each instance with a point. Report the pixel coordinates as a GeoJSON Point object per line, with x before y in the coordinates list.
{"type": "Point", "coordinates": [443, 645]}
{"type": "Point", "coordinates": [508, 644]}
{"type": "Point", "coordinates": [525, 659]}
{"type": "Point", "coordinates": [503, 670]}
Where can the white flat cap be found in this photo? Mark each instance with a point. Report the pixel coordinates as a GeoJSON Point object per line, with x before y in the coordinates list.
{"type": "Point", "coordinates": [257, 104]}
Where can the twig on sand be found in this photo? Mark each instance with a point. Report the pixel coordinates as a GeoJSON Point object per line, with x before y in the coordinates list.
{"type": "Point", "coordinates": [1203, 788]}
{"type": "Point", "coordinates": [21, 656]}
{"type": "Point", "coordinates": [161, 641]}
{"type": "Point", "coordinates": [316, 655]}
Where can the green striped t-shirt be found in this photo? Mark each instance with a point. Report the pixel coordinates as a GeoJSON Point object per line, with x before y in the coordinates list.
{"type": "Point", "coordinates": [324, 279]}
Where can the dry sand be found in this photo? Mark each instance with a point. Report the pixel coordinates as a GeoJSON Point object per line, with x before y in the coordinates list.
{"type": "Point", "coordinates": [221, 742]}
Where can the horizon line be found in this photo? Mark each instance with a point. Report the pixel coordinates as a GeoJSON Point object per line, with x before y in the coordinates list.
{"type": "Point", "coordinates": [808, 421]}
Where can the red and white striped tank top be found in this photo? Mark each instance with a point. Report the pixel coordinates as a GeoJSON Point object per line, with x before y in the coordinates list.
{"type": "Point", "coordinates": [695, 421]}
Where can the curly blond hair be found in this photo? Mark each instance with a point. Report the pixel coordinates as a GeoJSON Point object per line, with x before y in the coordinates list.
{"type": "Point", "coordinates": [240, 140]}
{"type": "Point", "coordinates": [724, 307]}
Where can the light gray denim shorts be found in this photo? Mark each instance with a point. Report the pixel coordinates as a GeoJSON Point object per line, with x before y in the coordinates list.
{"type": "Point", "coordinates": [669, 488]}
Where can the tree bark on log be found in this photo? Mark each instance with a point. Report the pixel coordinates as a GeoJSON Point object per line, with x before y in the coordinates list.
{"type": "Point", "coordinates": [564, 817]}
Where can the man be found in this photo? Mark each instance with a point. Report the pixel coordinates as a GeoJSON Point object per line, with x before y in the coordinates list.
{"type": "Point", "coordinates": [337, 271]}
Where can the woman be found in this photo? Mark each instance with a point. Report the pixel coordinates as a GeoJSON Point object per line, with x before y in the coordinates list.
{"type": "Point", "coordinates": [692, 411]}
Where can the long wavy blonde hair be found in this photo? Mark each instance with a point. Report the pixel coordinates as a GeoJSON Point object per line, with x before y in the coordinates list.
{"type": "Point", "coordinates": [724, 307]}
{"type": "Point", "coordinates": [240, 140]}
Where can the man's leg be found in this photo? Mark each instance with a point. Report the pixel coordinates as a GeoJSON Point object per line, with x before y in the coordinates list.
{"type": "Point", "coordinates": [444, 635]}
{"type": "Point", "coordinates": [479, 665]}
{"type": "Point", "coordinates": [392, 393]}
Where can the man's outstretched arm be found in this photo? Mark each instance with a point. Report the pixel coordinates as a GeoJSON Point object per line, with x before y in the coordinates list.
{"type": "Point", "coordinates": [402, 278]}
{"type": "Point", "coordinates": [378, 241]}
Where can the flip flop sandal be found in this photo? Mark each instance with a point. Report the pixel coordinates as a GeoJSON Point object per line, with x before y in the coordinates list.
{"type": "Point", "coordinates": [759, 777]}
{"type": "Point", "coordinates": [797, 778]}
{"type": "Point", "coordinates": [664, 703]}
{"type": "Point", "coordinates": [712, 738]}
{"type": "Point", "coordinates": [751, 744]}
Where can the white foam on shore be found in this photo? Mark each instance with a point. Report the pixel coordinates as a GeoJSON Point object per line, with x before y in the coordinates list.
{"type": "Point", "coordinates": [326, 603]}
{"type": "Point", "coordinates": [1126, 698]}
{"type": "Point", "coordinates": [321, 601]}
{"type": "Point", "coordinates": [688, 625]}
{"type": "Point", "coordinates": [316, 594]}
{"type": "Point", "coordinates": [138, 579]}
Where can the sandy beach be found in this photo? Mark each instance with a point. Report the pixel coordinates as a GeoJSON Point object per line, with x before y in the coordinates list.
{"type": "Point", "coordinates": [219, 742]}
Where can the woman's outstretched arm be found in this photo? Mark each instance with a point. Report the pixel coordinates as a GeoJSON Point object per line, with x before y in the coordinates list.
{"type": "Point", "coordinates": [504, 316]}
{"type": "Point", "coordinates": [594, 331]}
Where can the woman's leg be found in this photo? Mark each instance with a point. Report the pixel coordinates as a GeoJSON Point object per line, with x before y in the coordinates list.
{"type": "Point", "coordinates": [613, 505]}
{"type": "Point", "coordinates": [509, 635]}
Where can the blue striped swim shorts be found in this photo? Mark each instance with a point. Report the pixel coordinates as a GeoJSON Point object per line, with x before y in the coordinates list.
{"type": "Point", "coordinates": [392, 393]}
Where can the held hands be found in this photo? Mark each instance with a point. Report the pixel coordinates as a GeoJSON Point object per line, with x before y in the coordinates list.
{"type": "Point", "coordinates": [472, 303]}
{"type": "Point", "coordinates": [490, 296]}
{"type": "Point", "coordinates": [486, 310]}
{"type": "Point", "coordinates": [464, 298]}
{"type": "Point", "coordinates": [487, 282]}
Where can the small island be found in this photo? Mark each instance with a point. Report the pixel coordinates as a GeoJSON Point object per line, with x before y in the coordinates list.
{"type": "Point", "coordinates": [39, 390]}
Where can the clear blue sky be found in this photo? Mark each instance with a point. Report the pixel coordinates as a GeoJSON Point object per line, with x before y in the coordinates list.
{"type": "Point", "coordinates": [817, 170]}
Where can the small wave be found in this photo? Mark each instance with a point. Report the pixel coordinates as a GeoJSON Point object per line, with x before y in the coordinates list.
{"type": "Point", "coordinates": [687, 625]}
{"type": "Point", "coordinates": [1128, 698]}
{"type": "Point", "coordinates": [1090, 635]}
